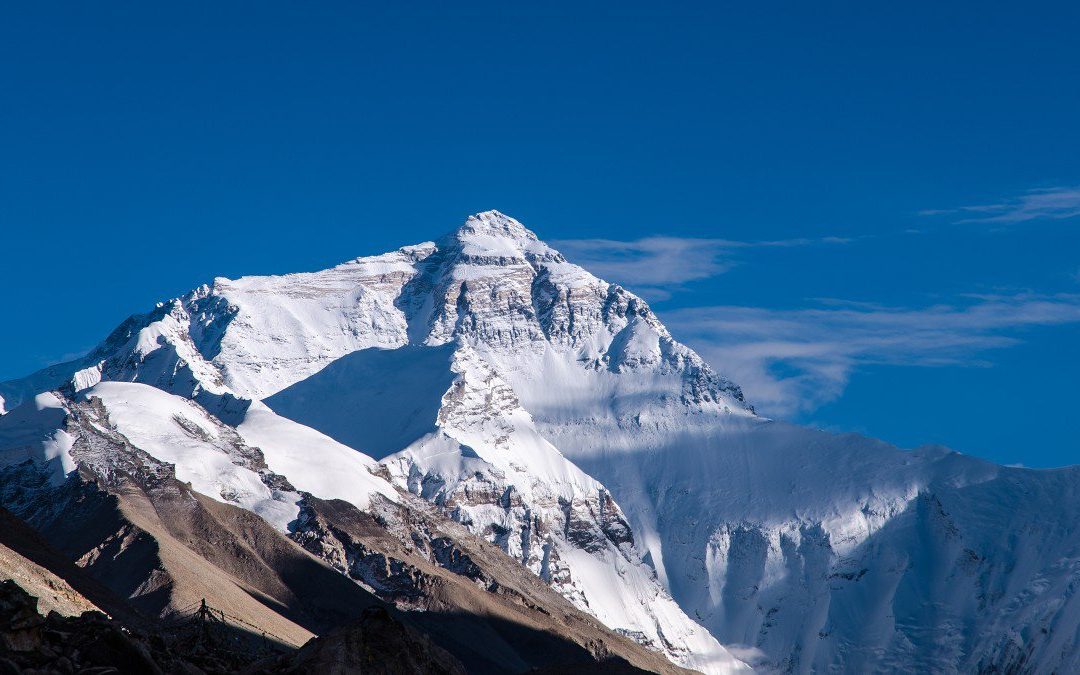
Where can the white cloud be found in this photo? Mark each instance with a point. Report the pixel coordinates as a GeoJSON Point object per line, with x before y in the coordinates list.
{"type": "Point", "coordinates": [792, 361]}
{"type": "Point", "coordinates": [652, 261]}
{"type": "Point", "coordinates": [65, 357]}
{"type": "Point", "coordinates": [1054, 203]}
{"type": "Point", "coordinates": [656, 266]}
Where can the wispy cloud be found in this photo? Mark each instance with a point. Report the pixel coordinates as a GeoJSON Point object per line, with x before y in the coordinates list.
{"type": "Point", "coordinates": [652, 261]}
{"type": "Point", "coordinates": [792, 361]}
{"type": "Point", "coordinates": [1054, 203]}
{"type": "Point", "coordinates": [656, 266]}
{"type": "Point", "coordinates": [65, 357]}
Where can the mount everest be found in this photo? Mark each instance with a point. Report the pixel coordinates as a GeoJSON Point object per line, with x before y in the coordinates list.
{"type": "Point", "coordinates": [483, 399]}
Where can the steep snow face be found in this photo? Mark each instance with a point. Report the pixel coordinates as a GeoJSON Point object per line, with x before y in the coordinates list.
{"type": "Point", "coordinates": [475, 452]}
{"type": "Point", "coordinates": [491, 283]}
{"type": "Point", "coordinates": [804, 551]}
{"type": "Point", "coordinates": [206, 453]}
{"type": "Point", "coordinates": [35, 432]}
{"type": "Point", "coordinates": [246, 466]}
{"type": "Point", "coordinates": [259, 465]}
{"type": "Point", "coordinates": [565, 340]}
{"type": "Point", "coordinates": [383, 399]}
{"type": "Point", "coordinates": [157, 348]}
{"type": "Point", "coordinates": [313, 462]}
{"type": "Point", "coordinates": [278, 330]}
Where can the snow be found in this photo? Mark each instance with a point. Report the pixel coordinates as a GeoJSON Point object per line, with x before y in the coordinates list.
{"type": "Point", "coordinates": [384, 399]}
{"type": "Point", "coordinates": [313, 462]}
{"type": "Point", "coordinates": [175, 430]}
{"type": "Point", "coordinates": [289, 327]}
{"type": "Point", "coordinates": [804, 550]}
{"type": "Point", "coordinates": [459, 432]}
{"type": "Point", "coordinates": [34, 431]}
{"type": "Point", "coordinates": [479, 412]}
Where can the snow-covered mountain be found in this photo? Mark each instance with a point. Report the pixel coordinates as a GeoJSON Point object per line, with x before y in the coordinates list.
{"type": "Point", "coordinates": [551, 413]}
{"type": "Point", "coordinates": [431, 406]}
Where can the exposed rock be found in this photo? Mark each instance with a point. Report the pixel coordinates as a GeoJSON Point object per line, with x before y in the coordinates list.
{"type": "Point", "coordinates": [376, 643]}
{"type": "Point", "coordinates": [129, 522]}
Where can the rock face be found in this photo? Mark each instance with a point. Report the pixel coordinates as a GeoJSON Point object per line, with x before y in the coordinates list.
{"type": "Point", "coordinates": [136, 529]}
{"type": "Point", "coordinates": [482, 384]}
{"type": "Point", "coordinates": [376, 643]}
{"type": "Point", "coordinates": [435, 568]}
{"type": "Point", "coordinates": [28, 560]}
{"type": "Point", "coordinates": [91, 642]}
{"type": "Point", "coordinates": [30, 641]}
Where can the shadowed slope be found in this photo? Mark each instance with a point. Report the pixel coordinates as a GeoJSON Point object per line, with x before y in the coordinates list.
{"type": "Point", "coordinates": [383, 399]}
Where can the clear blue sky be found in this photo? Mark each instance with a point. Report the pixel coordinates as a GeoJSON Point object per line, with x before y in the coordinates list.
{"type": "Point", "coordinates": [869, 212]}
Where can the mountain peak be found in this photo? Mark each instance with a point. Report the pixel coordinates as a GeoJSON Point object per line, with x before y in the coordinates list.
{"type": "Point", "coordinates": [495, 224]}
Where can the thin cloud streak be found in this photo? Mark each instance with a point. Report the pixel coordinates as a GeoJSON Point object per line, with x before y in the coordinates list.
{"type": "Point", "coordinates": [794, 361]}
{"type": "Point", "coordinates": [1056, 203]}
{"type": "Point", "coordinates": [656, 266]}
{"type": "Point", "coordinates": [652, 261]}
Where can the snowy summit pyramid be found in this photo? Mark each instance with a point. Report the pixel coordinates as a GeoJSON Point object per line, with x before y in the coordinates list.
{"type": "Point", "coordinates": [487, 380]}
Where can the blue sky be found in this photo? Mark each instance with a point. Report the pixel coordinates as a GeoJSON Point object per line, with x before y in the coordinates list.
{"type": "Point", "coordinates": [868, 215]}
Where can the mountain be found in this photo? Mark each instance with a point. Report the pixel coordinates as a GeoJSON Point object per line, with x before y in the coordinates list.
{"type": "Point", "coordinates": [206, 524]}
{"type": "Point", "coordinates": [485, 387]}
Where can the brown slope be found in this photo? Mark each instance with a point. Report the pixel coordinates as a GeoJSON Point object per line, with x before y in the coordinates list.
{"type": "Point", "coordinates": [132, 526]}
{"type": "Point", "coordinates": [494, 612]}
{"type": "Point", "coordinates": [19, 547]}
